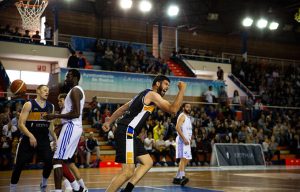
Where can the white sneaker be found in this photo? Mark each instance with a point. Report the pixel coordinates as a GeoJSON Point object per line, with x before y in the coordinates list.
{"type": "Point", "coordinates": [85, 190]}
{"type": "Point", "coordinates": [176, 164]}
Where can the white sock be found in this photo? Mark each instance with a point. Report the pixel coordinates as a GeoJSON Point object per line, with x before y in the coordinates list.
{"type": "Point", "coordinates": [44, 181]}
{"type": "Point", "coordinates": [67, 184]}
{"type": "Point", "coordinates": [81, 183]}
{"type": "Point", "coordinates": [13, 188]}
{"type": "Point", "coordinates": [182, 174]}
{"type": "Point", "coordinates": [75, 185]}
{"type": "Point", "coordinates": [178, 175]}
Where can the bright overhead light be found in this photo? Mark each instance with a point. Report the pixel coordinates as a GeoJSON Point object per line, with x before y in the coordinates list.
{"type": "Point", "coordinates": [262, 23]}
{"type": "Point", "coordinates": [145, 6]}
{"type": "Point", "coordinates": [247, 22]}
{"type": "Point", "coordinates": [126, 4]}
{"type": "Point", "coordinates": [273, 25]}
{"type": "Point", "coordinates": [173, 10]}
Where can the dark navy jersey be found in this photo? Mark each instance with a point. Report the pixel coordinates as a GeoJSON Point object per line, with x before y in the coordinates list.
{"type": "Point", "coordinates": [138, 112]}
{"type": "Point", "coordinates": [35, 122]}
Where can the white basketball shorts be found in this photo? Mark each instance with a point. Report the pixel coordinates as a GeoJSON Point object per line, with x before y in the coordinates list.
{"type": "Point", "coordinates": [67, 141]}
{"type": "Point", "coordinates": [182, 150]}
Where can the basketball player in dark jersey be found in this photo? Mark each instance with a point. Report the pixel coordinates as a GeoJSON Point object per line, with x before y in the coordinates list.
{"type": "Point", "coordinates": [35, 138]}
{"type": "Point", "coordinates": [129, 148]}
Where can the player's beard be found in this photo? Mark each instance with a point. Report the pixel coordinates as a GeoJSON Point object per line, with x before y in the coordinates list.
{"type": "Point", "coordinates": [161, 91]}
{"type": "Point", "coordinates": [67, 86]}
{"type": "Point", "coordinates": [187, 111]}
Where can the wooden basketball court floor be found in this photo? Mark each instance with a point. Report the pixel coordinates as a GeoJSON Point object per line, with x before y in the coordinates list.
{"type": "Point", "coordinates": [202, 179]}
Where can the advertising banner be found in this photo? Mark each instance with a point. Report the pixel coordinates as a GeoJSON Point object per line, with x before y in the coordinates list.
{"type": "Point", "coordinates": [94, 80]}
{"type": "Point", "coordinates": [229, 154]}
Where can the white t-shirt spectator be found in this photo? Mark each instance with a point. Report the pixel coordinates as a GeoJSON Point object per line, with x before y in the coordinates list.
{"type": "Point", "coordinates": [236, 100]}
{"type": "Point", "coordinates": [148, 143]}
{"type": "Point", "coordinates": [209, 96]}
{"type": "Point", "coordinates": [168, 143]}
{"type": "Point", "coordinates": [8, 133]}
{"type": "Point", "coordinates": [265, 146]}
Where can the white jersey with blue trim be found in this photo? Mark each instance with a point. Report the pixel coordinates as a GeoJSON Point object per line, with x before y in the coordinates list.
{"type": "Point", "coordinates": [186, 127]}
{"type": "Point", "coordinates": [68, 107]}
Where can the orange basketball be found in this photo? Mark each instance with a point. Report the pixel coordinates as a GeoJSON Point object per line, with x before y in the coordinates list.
{"type": "Point", "coordinates": [18, 87]}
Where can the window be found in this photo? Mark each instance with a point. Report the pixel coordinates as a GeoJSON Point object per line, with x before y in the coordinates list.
{"type": "Point", "coordinates": [29, 77]}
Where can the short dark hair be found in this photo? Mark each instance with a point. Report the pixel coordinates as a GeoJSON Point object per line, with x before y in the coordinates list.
{"type": "Point", "coordinates": [42, 85]}
{"type": "Point", "coordinates": [75, 73]}
{"type": "Point", "coordinates": [184, 104]}
{"type": "Point", "coordinates": [62, 95]}
{"type": "Point", "coordinates": [160, 78]}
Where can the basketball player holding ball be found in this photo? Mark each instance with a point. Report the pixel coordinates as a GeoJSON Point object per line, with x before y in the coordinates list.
{"type": "Point", "coordinates": [35, 138]}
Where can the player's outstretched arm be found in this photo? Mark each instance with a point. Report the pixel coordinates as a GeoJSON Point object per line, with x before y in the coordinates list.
{"type": "Point", "coordinates": [22, 121]}
{"type": "Point", "coordinates": [166, 105]}
{"type": "Point", "coordinates": [118, 113]}
{"type": "Point", "coordinates": [76, 96]}
{"type": "Point", "coordinates": [51, 128]}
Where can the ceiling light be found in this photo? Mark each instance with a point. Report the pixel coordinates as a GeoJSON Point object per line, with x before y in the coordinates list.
{"type": "Point", "coordinates": [273, 25]}
{"type": "Point", "coordinates": [173, 10]}
{"type": "Point", "coordinates": [262, 23]}
{"type": "Point", "coordinates": [145, 6]}
{"type": "Point", "coordinates": [247, 22]}
{"type": "Point", "coordinates": [125, 4]}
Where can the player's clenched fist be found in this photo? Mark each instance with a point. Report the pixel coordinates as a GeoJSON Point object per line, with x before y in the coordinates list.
{"type": "Point", "coordinates": [181, 85]}
{"type": "Point", "coordinates": [106, 127]}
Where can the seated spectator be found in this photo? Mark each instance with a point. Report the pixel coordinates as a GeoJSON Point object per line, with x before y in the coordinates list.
{"type": "Point", "coordinates": [7, 32]}
{"type": "Point", "coordinates": [81, 152]}
{"type": "Point", "coordinates": [149, 144]}
{"type": "Point", "coordinates": [143, 134]}
{"type": "Point", "coordinates": [273, 148]}
{"type": "Point", "coordinates": [81, 60]}
{"type": "Point", "coordinates": [17, 34]}
{"type": "Point", "coordinates": [171, 149]}
{"type": "Point", "coordinates": [36, 39]}
{"type": "Point", "coordinates": [96, 119]}
{"type": "Point", "coordinates": [9, 130]}
{"type": "Point", "coordinates": [242, 135]}
{"type": "Point", "coordinates": [209, 96]}
{"type": "Point", "coordinates": [73, 61]}
{"type": "Point", "coordinates": [194, 161]}
{"type": "Point", "coordinates": [108, 54]}
{"type": "Point", "coordinates": [5, 153]}
{"type": "Point", "coordinates": [267, 151]}
{"type": "Point", "coordinates": [111, 136]}
{"type": "Point", "coordinates": [160, 151]}
{"type": "Point", "coordinates": [92, 145]}
{"type": "Point", "coordinates": [26, 37]}
{"type": "Point", "coordinates": [158, 130]}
